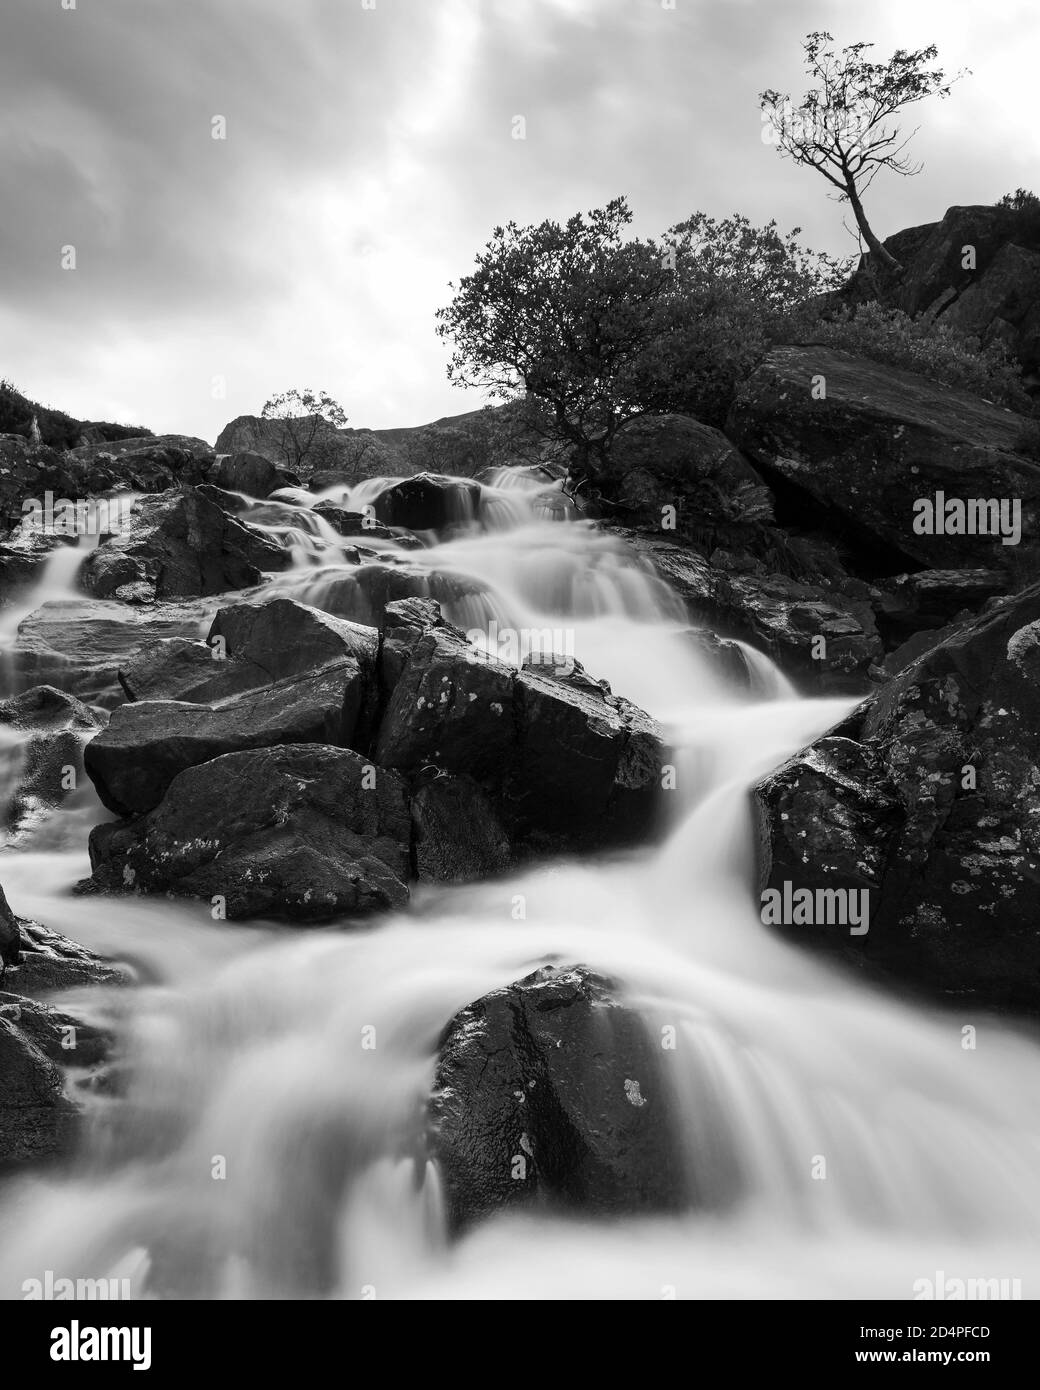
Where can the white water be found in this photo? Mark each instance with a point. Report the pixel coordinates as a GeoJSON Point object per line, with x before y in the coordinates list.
{"type": "Point", "coordinates": [245, 1042]}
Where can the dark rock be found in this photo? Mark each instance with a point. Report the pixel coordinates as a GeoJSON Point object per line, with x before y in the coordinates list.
{"type": "Point", "coordinates": [53, 727]}
{"type": "Point", "coordinates": [927, 800]}
{"type": "Point", "coordinates": [552, 1093]}
{"type": "Point", "coordinates": [80, 645]}
{"type": "Point", "coordinates": [307, 832]}
{"type": "Point", "coordinates": [180, 544]}
{"type": "Point", "coordinates": [565, 762]}
{"type": "Point", "coordinates": [456, 836]}
{"type": "Point", "coordinates": [253, 474]}
{"type": "Point", "coordinates": [352, 523]}
{"type": "Point", "coordinates": [674, 460]}
{"type": "Point", "coordinates": [37, 1120]}
{"type": "Point", "coordinates": [882, 440]}
{"type": "Point", "coordinates": [133, 761]}
{"type": "Point", "coordinates": [429, 502]}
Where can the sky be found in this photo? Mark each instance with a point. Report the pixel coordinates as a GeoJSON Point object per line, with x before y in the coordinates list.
{"type": "Point", "coordinates": [369, 152]}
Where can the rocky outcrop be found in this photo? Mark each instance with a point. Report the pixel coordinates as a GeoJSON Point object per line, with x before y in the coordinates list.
{"type": "Point", "coordinates": [304, 831]}
{"type": "Point", "coordinates": [993, 293]}
{"type": "Point", "coordinates": [925, 803]}
{"type": "Point", "coordinates": [880, 443]}
{"type": "Point", "coordinates": [551, 1094]}
{"type": "Point", "coordinates": [179, 544]}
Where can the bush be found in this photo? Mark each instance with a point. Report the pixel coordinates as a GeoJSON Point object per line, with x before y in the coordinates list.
{"type": "Point", "coordinates": [927, 346]}
{"type": "Point", "coordinates": [1018, 219]}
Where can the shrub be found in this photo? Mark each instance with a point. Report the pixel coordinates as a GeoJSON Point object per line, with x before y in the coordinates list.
{"type": "Point", "coordinates": [1018, 219]}
{"type": "Point", "coordinates": [927, 346]}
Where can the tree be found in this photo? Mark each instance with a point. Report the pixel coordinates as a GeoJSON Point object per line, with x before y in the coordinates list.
{"type": "Point", "coordinates": [844, 127]}
{"type": "Point", "coordinates": [560, 314]}
{"type": "Point", "coordinates": [306, 416]}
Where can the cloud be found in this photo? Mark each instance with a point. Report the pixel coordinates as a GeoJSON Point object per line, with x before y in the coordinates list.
{"type": "Point", "coordinates": [369, 153]}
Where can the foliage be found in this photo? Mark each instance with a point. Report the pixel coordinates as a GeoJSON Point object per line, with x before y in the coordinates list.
{"type": "Point", "coordinates": [928, 346]}
{"type": "Point", "coordinates": [306, 417]}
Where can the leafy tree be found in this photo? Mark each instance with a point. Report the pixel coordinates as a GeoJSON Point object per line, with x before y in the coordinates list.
{"type": "Point", "coordinates": [845, 126]}
{"type": "Point", "coordinates": [306, 417]}
{"type": "Point", "coordinates": [560, 313]}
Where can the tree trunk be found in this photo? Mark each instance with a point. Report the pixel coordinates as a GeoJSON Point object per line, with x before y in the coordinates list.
{"type": "Point", "coordinates": [885, 257]}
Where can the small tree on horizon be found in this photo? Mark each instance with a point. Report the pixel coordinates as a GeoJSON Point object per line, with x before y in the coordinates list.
{"type": "Point", "coordinates": [844, 126]}
{"type": "Point", "coordinates": [303, 414]}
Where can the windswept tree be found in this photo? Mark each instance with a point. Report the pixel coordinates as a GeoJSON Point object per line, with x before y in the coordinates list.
{"type": "Point", "coordinates": [561, 314]}
{"type": "Point", "coordinates": [306, 417]}
{"type": "Point", "coordinates": [845, 126]}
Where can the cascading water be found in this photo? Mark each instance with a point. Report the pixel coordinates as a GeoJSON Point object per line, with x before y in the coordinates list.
{"type": "Point", "coordinates": [243, 1044]}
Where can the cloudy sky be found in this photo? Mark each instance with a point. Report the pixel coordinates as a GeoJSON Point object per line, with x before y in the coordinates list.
{"type": "Point", "coordinates": [369, 152]}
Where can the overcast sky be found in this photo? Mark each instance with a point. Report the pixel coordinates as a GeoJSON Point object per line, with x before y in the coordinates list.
{"type": "Point", "coordinates": [369, 153]}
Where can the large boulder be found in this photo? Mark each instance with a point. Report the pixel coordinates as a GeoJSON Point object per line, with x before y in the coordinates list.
{"type": "Point", "coordinates": [80, 645]}
{"type": "Point", "coordinates": [566, 763]}
{"type": "Point", "coordinates": [248, 646]}
{"type": "Point", "coordinates": [180, 544]}
{"type": "Point", "coordinates": [925, 804]}
{"type": "Point", "coordinates": [133, 761]}
{"type": "Point", "coordinates": [552, 1093]}
{"type": "Point", "coordinates": [429, 502]}
{"type": "Point", "coordinates": [304, 831]}
{"type": "Point", "coordinates": [253, 474]}
{"type": "Point", "coordinates": [674, 460]}
{"type": "Point", "coordinates": [880, 443]}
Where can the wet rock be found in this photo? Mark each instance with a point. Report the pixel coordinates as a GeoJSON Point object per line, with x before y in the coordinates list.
{"type": "Point", "coordinates": [37, 1120]}
{"type": "Point", "coordinates": [428, 502]}
{"type": "Point", "coordinates": [252, 474]}
{"type": "Point", "coordinates": [146, 744]}
{"type": "Point", "coordinates": [566, 763]}
{"type": "Point", "coordinates": [927, 799]}
{"type": "Point", "coordinates": [308, 832]}
{"type": "Point", "coordinates": [180, 544]}
{"type": "Point", "coordinates": [551, 1094]}
{"type": "Point", "coordinates": [456, 835]}
{"type": "Point", "coordinates": [351, 524]}
{"type": "Point", "coordinates": [79, 645]}
{"type": "Point", "coordinates": [49, 728]}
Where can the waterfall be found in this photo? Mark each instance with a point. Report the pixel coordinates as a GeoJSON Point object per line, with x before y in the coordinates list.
{"type": "Point", "coordinates": [242, 1043]}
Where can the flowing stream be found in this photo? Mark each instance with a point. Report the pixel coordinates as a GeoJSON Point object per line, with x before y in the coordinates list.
{"type": "Point", "coordinates": [243, 1044]}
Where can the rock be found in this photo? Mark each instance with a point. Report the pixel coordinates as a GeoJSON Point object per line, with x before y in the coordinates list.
{"type": "Point", "coordinates": [22, 559]}
{"type": "Point", "coordinates": [881, 441]}
{"type": "Point", "coordinates": [353, 523]}
{"type": "Point", "coordinates": [79, 645]}
{"type": "Point", "coordinates": [10, 936]}
{"type": "Point", "coordinates": [566, 763]}
{"type": "Point", "coordinates": [456, 835]}
{"type": "Point", "coordinates": [51, 728]}
{"type": "Point", "coordinates": [927, 801]}
{"type": "Point", "coordinates": [996, 298]}
{"type": "Point", "coordinates": [675, 460]}
{"type": "Point", "coordinates": [429, 502]}
{"type": "Point", "coordinates": [133, 761]}
{"type": "Point", "coordinates": [824, 639]}
{"type": "Point", "coordinates": [307, 832]}
{"type": "Point", "coordinates": [253, 474]}
{"type": "Point", "coordinates": [552, 1093]}
{"type": "Point", "coordinates": [51, 963]}
{"type": "Point", "coordinates": [37, 1120]}
{"type": "Point", "coordinates": [181, 544]}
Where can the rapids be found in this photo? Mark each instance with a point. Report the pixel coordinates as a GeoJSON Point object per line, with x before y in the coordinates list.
{"type": "Point", "coordinates": [244, 1043]}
